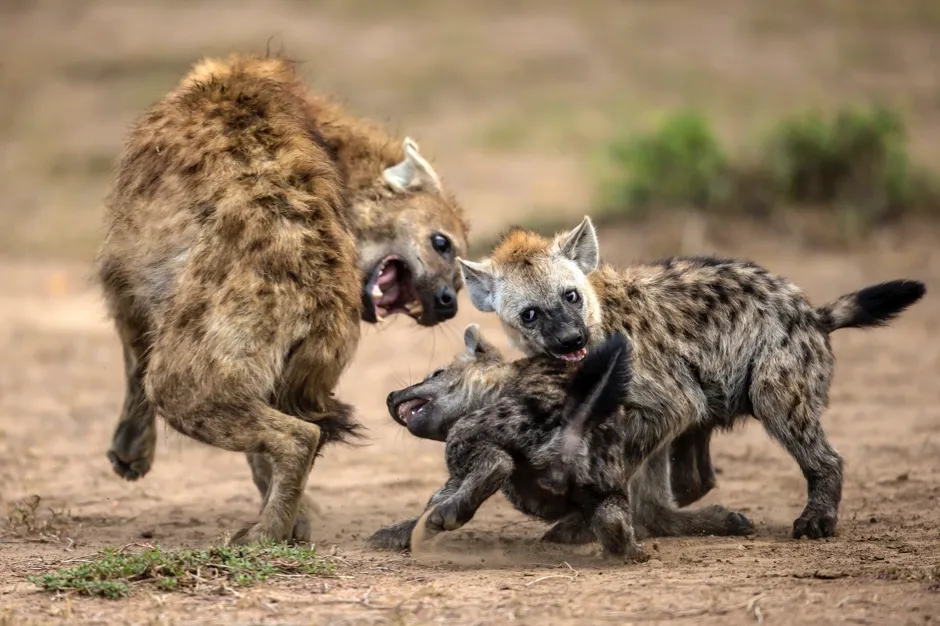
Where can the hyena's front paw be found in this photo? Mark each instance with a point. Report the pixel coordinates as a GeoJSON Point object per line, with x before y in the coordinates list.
{"type": "Point", "coordinates": [814, 525]}
{"type": "Point", "coordinates": [132, 449]}
{"type": "Point", "coordinates": [445, 516]}
{"type": "Point", "coordinates": [396, 537]}
{"type": "Point", "coordinates": [570, 531]}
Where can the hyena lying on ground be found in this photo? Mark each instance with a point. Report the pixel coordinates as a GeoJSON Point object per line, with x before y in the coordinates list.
{"type": "Point", "coordinates": [551, 435]}
{"type": "Point", "coordinates": [714, 340]}
{"type": "Point", "coordinates": [252, 224]}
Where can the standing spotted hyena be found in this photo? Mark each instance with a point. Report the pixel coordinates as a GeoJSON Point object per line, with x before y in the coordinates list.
{"type": "Point", "coordinates": [715, 340]}
{"type": "Point", "coordinates": [251, 226]}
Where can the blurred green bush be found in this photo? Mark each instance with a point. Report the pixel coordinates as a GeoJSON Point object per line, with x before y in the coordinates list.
{"type": "Point", "coordinates": [854, 161]}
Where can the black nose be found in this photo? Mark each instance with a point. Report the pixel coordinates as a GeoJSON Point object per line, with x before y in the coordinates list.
{"type": "Point", "coordinates": [571, 342]}
{"type": "Point", "coordinates": [445, 300]}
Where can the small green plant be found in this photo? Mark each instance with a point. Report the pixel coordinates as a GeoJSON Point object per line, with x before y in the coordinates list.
{"type": "Point", "coordinates": [112, 573]}
{"type": "Point", "coordinates": [680, 163]}
{"type": "Point", "coordinates": [856, 160]}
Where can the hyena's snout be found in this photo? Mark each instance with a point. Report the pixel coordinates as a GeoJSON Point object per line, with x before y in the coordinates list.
{"type": "Point", "coordinates": [445, 301]}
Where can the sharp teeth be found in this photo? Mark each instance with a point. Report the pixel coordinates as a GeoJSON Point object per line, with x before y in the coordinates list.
{"type": "Point", "coordinates": [376, 292]}
{"type": "Point", "coordinates": [414, 308]}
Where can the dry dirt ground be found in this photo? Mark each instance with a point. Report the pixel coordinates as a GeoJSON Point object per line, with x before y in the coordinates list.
{"type": "Point", "coordinates": [60, 390]}
{"type": "Point", "coordinates": [513, 103]}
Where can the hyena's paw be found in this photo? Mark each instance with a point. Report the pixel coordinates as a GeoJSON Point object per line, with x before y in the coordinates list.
{"type": "Point", "coordinates": [254, 534]}
{"type": "Point", "coordinates": [448, 515]}
{"type": "Point", "coordinates": [303, 523]}
{"type": "Point", "coordinates": [396, 537]}
{"type": "Point", "coordinates": [814, 525]}
{"type": "Point", "coordinates": [630, 552]}
{"type": "Point", "coordinates": [725, 522]}
{"type": "Point", "coordinates": [571, 532]}
{"type": "Point", "coordinates": [132, 449]}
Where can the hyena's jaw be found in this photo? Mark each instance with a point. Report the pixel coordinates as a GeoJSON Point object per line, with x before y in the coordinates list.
{"type": "Point", "coordinates": [416, 412]}
{"type": "Point", "coordinates": [390, 290]}
{"type": "Point", "coordinates": [573, 356]}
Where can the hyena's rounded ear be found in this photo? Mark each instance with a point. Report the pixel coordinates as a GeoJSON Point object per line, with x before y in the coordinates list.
{"type": "Point", "coordinates": [477, 346]}
{"type": "Point", "coordinates": [580, 245]}
{"type": "Point", "coordinates": [480, 284]}
{"type": "Point", "coordinates": [414, 173]}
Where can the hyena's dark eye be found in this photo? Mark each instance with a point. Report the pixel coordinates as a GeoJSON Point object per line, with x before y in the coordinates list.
{"type": "Point", "coordinates": [529, 315]}
{"type": "Point", "coordinates": [573, 296]}
{"type": "Point", "coordinates": [441, 244]}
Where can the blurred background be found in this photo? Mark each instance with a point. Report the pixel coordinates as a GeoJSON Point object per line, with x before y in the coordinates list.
{"type": "Point", "coordinates": [533, 110]}
{"type": "Point", "coordinates": [803, 134]}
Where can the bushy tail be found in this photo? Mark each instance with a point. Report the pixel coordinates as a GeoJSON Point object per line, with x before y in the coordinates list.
{"type": "Point", "coordinates": [872, 306]}
{"type": "Point", "coordinates": [596, 392]}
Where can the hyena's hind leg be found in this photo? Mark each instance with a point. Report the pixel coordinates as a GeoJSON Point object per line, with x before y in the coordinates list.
{"type": "Point", "coordinates": [655, 512]}
{"type": "Point", "coordinates": [133, 444]}
{"type": "Point", "coordinates": [790, 413]}
{"type": "Point", "coordinates": [261, 471]}
{"type": "Point", "coordinates": [690, 465]}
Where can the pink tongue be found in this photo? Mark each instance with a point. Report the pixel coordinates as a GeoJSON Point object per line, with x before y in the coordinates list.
{"type": "Point", "coordinates": [389, 275]}
{"type": "Point", "coordinates": [389, 295]}
{"type": "Point", "coordinates": [405, 409]}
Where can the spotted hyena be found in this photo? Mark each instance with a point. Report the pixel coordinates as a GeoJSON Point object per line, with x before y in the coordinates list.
{"type": "Point", "coordinates": [551, 435]}
{"type": "Point", "coordinates": [715, 340]}
{"type": "Point", "coordinates": [251, 226]}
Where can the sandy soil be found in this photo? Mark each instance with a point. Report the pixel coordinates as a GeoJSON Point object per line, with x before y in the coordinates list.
{"type": "Point", "coordinates": [60, 389]}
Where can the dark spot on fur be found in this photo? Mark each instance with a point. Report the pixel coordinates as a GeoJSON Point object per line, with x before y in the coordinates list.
{"type": "Point", "coordinates": [203, 212]}
{"type": "Point", "coordinates": [230, 228]}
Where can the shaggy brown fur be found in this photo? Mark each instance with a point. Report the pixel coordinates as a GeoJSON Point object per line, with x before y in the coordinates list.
{"type": "Point", "coordinates": [715, 340]}
{"type": "Point", "coordinates": [250, 227]}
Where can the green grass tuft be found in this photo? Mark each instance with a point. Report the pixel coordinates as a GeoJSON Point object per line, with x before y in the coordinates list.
{"type": "Point", "coordinates": [113, 573]}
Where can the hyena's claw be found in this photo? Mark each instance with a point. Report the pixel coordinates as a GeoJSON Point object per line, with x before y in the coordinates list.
{"type": "Point", "coordinates": [814, 526]}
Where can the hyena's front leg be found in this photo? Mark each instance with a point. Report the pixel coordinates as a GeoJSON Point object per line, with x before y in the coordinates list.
{"type": "Point", "coordinates": [481, 469]}
{"type": "Point", "coordinates": [397, 537]}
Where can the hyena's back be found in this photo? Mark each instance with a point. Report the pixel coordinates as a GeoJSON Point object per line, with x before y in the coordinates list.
{"type": "Point", "coordinates": [227, 265]}
{"type": "Point", "coordinates": [714, 322]}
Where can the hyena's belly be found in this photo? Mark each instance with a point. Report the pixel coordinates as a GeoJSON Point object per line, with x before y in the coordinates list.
{"type": "Point", "coordinates": [524, 493]}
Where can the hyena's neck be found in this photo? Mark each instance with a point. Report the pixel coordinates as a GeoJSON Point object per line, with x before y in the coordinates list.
{"type": "Point", "coordinates": [628, 299]}
{"type": "Point", "coordinates": [360, 147]}
{"type": "Point", "coordinates": [596, 316]}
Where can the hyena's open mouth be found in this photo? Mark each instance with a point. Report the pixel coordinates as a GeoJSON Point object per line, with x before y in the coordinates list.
{"type": "Point", "coordinates": [392, 289]}
{"type": "Point", "coordinates": [408, 409]}
{"type": "Point", "coordinates": [572, 356]}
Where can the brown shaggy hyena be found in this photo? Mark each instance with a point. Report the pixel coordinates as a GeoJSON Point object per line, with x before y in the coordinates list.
{"type": "Point", "coordinates": [715, 340]}
{"type": "Point", "coordinates": [251, 226]}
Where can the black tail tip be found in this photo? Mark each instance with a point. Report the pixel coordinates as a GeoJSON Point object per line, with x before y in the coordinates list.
{"type": "Point", "coordinates": [895, 294]}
